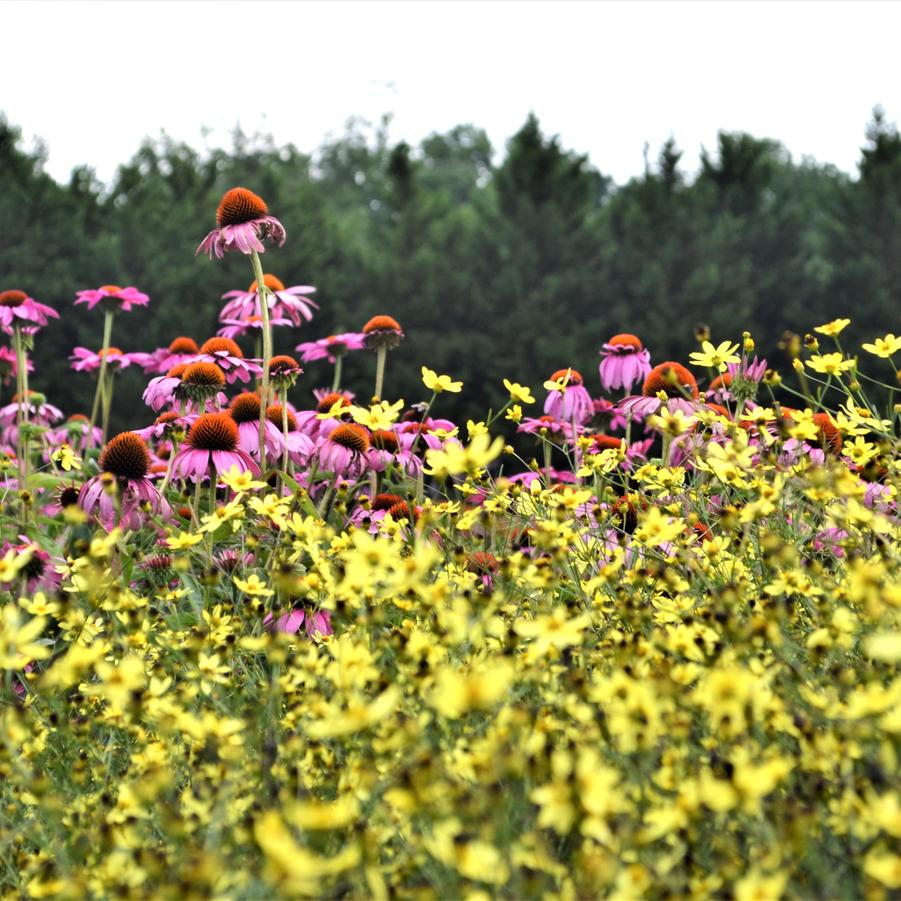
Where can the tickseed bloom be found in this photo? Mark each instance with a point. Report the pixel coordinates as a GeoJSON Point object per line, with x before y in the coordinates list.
{"type": "Point", "coordinates": [884, 347]}
{"type": "Point", "coordinates": [242, 224]}
{"type": "Point", "coordinates": [715, 357]}
{"type": "Point", "coordinates": [291, 303]}
{"type": "Point", "coordinates": [567, 398]}
{"type": "Point", "coordinates": [244, 409]}
{"type": "Point", "coordinates": [670, 383]}
{"type": "Point", "coordinates": [229, 357]}
{"type": "Point", "coordinates": [84, 360]}
{"type": "Point", "coordinates": [113, 298]}
{"type": "Point", "coordinates": [122, 488]}
{"type": "Point", "coordinates": [344, 451]}
{"type": "Point", "coordinates": [212, 447]}
{"type": "Point", "coordinates": [624, 362]}
{"type": "Point", "coordinates": [519, 393]}
{"type": "Point", "coordinates": [18, 310]}
{"type": "Point", "coordinates": [330, 348]}
{"type": "Point", "coordinates": [439, 383]}
{"type": "Point", "coordinates": [833, 328]}
{"type": "Point", "coordinates": [323, 418]}
{"type": "Point", "coordinates": [830, 364]}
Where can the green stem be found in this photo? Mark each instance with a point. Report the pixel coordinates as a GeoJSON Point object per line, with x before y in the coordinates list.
{"type": "Point", "coordinates": [107, 336]}
{"type": "Point", "coordinates": [262, 290]}
{"type": "Point", "coordinates": [284, 400]}
{"type": "Point", "coordinates": [381, 354]}
{"type": "Point", "coordinates": [107, 404]}
{"type": "Point", "coordinates": [336, 381]}
{"type": "Point", "coordinates": [22, 411]}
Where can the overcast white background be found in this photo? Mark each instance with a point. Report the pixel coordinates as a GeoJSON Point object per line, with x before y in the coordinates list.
{"type": "Point", "coordinates": [93, 78]}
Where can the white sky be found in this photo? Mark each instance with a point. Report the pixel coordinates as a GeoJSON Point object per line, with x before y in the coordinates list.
{"type": "Point", "coordinates": [92, 78]}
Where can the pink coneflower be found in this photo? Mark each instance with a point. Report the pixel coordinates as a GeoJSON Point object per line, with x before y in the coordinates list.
{"type": "Point", "coordinates": [237, 328]}
{"type": "Point", "coordinates": [412, 434]}
{"type": "Point", "coordinates": [283, 372]}
{"type": "Point", "coordinates": [607, 415]}
{"type": "Point", "coordinates": [160, 390]}
{"type": "Point", "coordinates": [243, 223]}
{"type": "Point", "coordinates": [180, 350]}
{"type": "Point", "coordinates": [41, 570]}
{"type": "Point", "coordinates": [330, 348]}
{"type": "Point", "coordinates": [637, 450]}
{"type": "Point", "coordinates": [245, 411]}
{"type": "Point", "coordinates": [212, 446]}
{"type": "Point", "coordinates": [300, 446]}
{"type": "Point", "coordinates": [386, 451]}
{"type": "Point", "coordinates": [316, 623]}
{"type": "Point", "coordinates": [84, 360]}
{"type": "Point", "coordinates": [547, 427]}
{"type": "Point", "coordinates": [624, 362]}
{"type": "Point", "coordinates": [229, 357]}
{"type": "Point", "coordinates": [344, 451]}
{"type": "Point", "coordinates": [287, 302]}
{"type": "Point", "coordinates": [114, 298]}
{"type": "Point", "coordinates": [9, 366]}
{"type": "Point", "coordinates": [73, 431]}
{"type": "Point", "coordinates": [308, 421]}
{"type": "Point", "coordinates": [18, 310]}
{"type": "Point", "coordinates": [166, 424]}
{"type": "Point", "coordinates": [671, 379]}
{"type": "Point", "coordinates": [39, 411]}
{"type": "Point", "coordinates": [122, 487]}
{"type": "Point", "coordinates": [573, 403]}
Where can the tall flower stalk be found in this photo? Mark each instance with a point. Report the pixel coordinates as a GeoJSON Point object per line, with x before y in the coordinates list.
{"type": "Point", "coordinates": [267, 351]}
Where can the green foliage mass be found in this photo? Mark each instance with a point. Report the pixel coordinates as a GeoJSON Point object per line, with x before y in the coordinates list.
{"type": "Point", "coordinates": [513, 267]}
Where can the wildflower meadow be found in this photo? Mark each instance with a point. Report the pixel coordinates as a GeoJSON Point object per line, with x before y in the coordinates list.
{"type": "Point", "coordinates": [633, 634]}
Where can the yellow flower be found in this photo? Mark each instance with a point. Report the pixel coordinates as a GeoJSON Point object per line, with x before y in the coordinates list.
{"type": "Point", "coordinates": [240, 480]}
{"type": "Point", "coordinates": [337, 409]}
{"type": "Point", "coordinates": [715, 357]}
{"type": "Point", "coordinates": [884, 347]}
{"type": "Point", "coordinates": [519, 392]}
{"type": "Point", "coordinates": [833, 328]}
{"type": "Point", "coordinates": [439, 383]}
{"type": "Point", "coordinates": [12, 562]}
{"type": "Point", "coordinates": [253, 586]}
{"type": "Point", "coordinates": [454, 459]}
{"type": "Point", "coordinates": [66, 458]}
{"type": "Point", "coordinates": [514, 414]}
{"type": "Point", "coordinates": [475, 428]}
{"type": "Point", "coordinates": [829, 364]}
{"type": "Point", "coordinates": [17, 639]}
{"type": "Point", "coordinates": [183, 540]}
{"type": "Point", "coordinates": [379, 417]}
{"type": "Point", "coordinates": [559, 384]}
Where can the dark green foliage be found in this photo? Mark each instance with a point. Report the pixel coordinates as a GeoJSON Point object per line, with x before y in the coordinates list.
{"type": "Point", "coordinates": [513, 268]}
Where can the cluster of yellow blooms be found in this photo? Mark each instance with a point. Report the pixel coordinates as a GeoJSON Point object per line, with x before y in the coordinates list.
{"type": "Point", "coordinates": [679, 680]}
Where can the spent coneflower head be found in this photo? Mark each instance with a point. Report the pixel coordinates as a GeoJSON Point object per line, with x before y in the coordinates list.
{"type": "Point", "coordinates": [199, 382]}
{"type": "Point", "coordinates": [382, 331]}
{"type": "Point", "coordinates": [242, 224]}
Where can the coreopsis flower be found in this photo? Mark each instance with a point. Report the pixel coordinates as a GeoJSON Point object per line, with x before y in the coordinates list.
{"type": "Point", "coordinates": [291, 303]}
{"type": "Point", "coordinates": [244, 409]}
{"type": "Point", "coordinates": [84, 360]}
{"type": "Point", "coordinates": [9, 365]}
{"type": "Point", "coordinates": [212, 447]}
{"type": "Point", "coordinates": [229, 358]}
{"type": "Point", "coordinates": [122, 488]}
{"type": "Point", "coordinates": [439, 383]}
{"type": "Point", "coordinates": [830, 364]}
{"type": "Point", "coordinates": [672, 380]}
{"type": "Point", "coordinates": [884, 347]}
{"type": "Point", "coordinates": [343, 451]}
{"type": "Point", "coordinates": [330, 348]}
{"type": "Point", "coordinates": [326, 415]}
{"type": "Point", "coordinates": [300, 445]}
{"type": "Point", "coordinates": [19, 311]}
{"type": "Point", "coordinates": [567, 397]}
{"type": "Point", "coordinates": [242, 224]}
{"type": "Point", "coordinates": [715, 357]}
{"type": "Point", "coordinates": [836, 327]}
{"type": "Point", "coordinates": [624, 362]}
{"type": "Point", "coordinates": [113, 298]}
{"type": "Point", "coordinates": [382, 331]}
